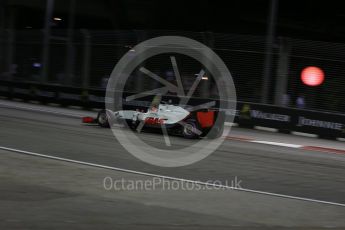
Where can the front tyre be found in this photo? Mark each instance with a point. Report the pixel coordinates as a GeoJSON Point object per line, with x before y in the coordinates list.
{"type": "Point", "coordinates": [132, 124]}
{"type": "Point", "coordinates": [190, 129]}
{"type": "Point", "coordinates": [102, 119]}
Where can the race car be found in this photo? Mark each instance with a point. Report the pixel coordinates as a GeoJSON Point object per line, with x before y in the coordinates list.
{"type": "Point", "coordinates": [176, 119]}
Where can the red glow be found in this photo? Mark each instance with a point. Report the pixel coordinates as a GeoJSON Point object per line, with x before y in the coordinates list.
{"type": "Point", "coordinates": [312, 76]}
{"type": "Point", "coordinates": [88, 120]}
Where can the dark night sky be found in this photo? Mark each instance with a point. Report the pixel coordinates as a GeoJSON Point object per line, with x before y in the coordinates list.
{"type": "Point", "coordinates": [315, 20]}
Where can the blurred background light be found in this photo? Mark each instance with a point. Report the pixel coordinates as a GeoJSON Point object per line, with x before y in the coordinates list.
{"type": "Point", "coordinates": [312, 76]}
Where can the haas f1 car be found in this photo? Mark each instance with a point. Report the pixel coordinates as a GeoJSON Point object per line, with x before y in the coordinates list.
{"type": "Point", "coordinates": [177, 120]}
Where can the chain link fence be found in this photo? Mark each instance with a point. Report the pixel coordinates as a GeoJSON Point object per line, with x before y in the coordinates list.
{"type": "Point", "coordinates": [87, 58]}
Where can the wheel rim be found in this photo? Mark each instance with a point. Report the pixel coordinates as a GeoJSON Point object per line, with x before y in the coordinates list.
{"type": "Point", "coordinates": [188, 129]}
{"type": "Point", "coordinates": [102, 118]}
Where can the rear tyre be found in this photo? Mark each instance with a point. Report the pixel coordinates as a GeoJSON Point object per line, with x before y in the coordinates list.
{"type": "Point", "coordinates": [190, 129]}
{"type": "Point", "coordinates": [102, 119]}
{"type": "Point", "coordinates": [216, 132]}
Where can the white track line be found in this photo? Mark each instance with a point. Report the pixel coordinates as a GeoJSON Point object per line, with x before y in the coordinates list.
{"type": "Point", "coordinates": [169, 178]}
{"type": "Point", "coordinates": [278, 144]}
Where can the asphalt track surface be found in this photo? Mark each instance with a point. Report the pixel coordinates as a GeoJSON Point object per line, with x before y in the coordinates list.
{"type": "Point", "coordinates": [37, 192]}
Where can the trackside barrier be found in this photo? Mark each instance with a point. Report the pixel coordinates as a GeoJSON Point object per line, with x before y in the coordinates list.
{"type": "Point", "coordinates": [324, 124]}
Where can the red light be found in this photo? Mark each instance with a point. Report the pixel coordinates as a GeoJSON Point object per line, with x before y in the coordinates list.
{"type": "Point", "coordinates": [88, 120]}
{"type": "Point", "coordinates": [312, 76]}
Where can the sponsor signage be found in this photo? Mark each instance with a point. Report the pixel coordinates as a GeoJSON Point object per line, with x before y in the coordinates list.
{"type": "Point", "coordinates": [303, 121]}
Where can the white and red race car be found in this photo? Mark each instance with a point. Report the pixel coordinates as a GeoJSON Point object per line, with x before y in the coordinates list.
{"type": "Point", "coordinates": [177, 120]}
